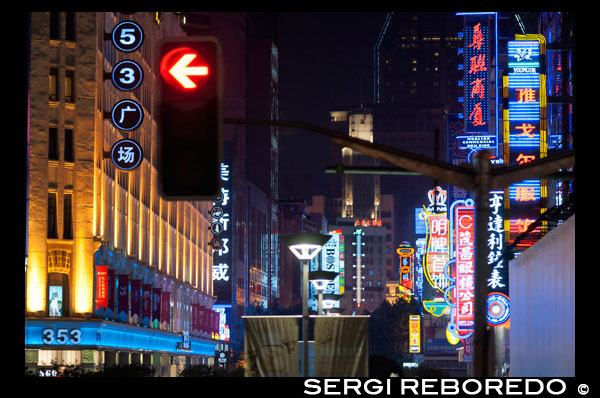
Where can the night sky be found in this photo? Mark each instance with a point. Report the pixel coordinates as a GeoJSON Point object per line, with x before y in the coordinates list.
{"type": "Point", "coordinates": [325, 64]}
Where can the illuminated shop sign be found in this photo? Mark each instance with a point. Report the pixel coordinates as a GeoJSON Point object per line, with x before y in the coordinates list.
{"type": "Point", "coordinates": [495, 243]}
{"type": "Point", "coordinates": [436, 252]}
{"type": "Point", "coordinates": [87, 334]}
{"type": "Point", "coordinates": [525, 131]}
{"type": "Point", "coordinates": [414, 343]}
{"type": "Point", "coordinates": [406, 253]}
{"type": "Point", "coordinates": [222, 227]}
{"type": "Point", "coordinates": [476, 81]}
{"type": "Point", "coordinates": [464, 264]}
{"type": "Point", "coordinates": [367, 223]}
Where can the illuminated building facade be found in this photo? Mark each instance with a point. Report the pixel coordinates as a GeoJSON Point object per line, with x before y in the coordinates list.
{"type": "Point", "coordinates": [114, 273]}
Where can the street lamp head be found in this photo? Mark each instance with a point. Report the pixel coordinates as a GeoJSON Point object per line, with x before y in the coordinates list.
{"type": "Point", "coordinates": [320, 279]}
{"type": "Point", "coordinates": [305, 246]}
{"type": "Point", "coordinates": [330, 299]}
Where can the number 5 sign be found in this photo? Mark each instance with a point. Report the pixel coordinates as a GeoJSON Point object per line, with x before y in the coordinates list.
{"type": "Point", "coordinates": [127, 36]}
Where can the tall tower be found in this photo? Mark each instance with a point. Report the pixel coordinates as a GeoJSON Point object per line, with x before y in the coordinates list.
{"type": "Point", "coordinates": [361, 192]}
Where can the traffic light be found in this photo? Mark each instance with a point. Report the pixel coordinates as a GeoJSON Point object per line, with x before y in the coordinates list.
{"type": "Point", "coordinates": [189, 118]}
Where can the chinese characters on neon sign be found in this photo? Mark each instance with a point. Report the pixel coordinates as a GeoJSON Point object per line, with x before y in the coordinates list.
{"type": "Point", "coordinates": [463, 312]}
{"type": "Point", "coordinates": [526, 135]}
{"type": "Point", "coordinates": [476, 77]}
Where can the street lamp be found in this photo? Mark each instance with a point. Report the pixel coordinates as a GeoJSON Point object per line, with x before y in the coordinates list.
{"type": "Point", "coordinates": [305, 247]}
{"type": "Point", "coordinates": [329, 301]}
{"type": "Point", "coordinates": [320, 279]}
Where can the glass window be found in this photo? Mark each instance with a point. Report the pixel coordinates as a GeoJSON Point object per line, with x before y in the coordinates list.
{"type": "Point", "coordinates": [68, 221]}
{"type": "Point", "coordinates": [52, 143]}
{"type": "Point", "coordinates": [54, 26]}
{"type": "Point", "coordinates": [52, 230]}
{"type": "Point", "coordinates": [69, 92]}
{"type": "Point", "coordinates": [69, 153]}
{"type": "Point", "coordinates": [70, 26]}
{"type": "Point", "coordinates": [53, 84]}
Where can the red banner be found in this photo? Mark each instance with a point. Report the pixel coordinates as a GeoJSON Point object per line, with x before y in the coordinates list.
{"type": "Point", "coordinates": [146, 302]}
{"type": "Point", "coordinates": [135, 298]}
{"type": "Point", "coordinates": [165, 305]}
{"type": "Point", "coordinates": [101, 286]}
{"type": "Point", "coordinates": [123, 298]}
{"type": "Point", "coordinates": [156, 295]}
{"type": "Point", "coordinates": [465, 268]}
{"type": "Point", "coordinates": [111, 281]}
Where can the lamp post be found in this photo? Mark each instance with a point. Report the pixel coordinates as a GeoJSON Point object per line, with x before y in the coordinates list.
{"type": "Point", "coordinates": [329, 301]}
{"type": "Point", "coordinates": [305, 247]}
{"type": "Point", "coordinates": [320, 279]}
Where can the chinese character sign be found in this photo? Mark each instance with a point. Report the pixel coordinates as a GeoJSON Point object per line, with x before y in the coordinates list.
{"type": "Point", "coordinates": [464, 240]}
{"type": "Point", "coordinates": [101, 287]}
{"type": "Point", "coordinates": [477, 69]}
{"type": "Point", "coordinates": [526, 134]}
{"type": "Point", "coordinates": [436, 255]}
{"type": "Point", "coordinates": [414, 343]}
{"type": "Point", "coordinates": [221, 227]}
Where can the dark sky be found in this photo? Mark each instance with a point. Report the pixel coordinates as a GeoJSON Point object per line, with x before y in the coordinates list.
{"type": "Point", "coordinates": [325, 63]}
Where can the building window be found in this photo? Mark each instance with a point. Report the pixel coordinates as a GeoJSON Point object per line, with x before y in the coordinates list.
{"type": "Point", "coordinates": [58, 294]}
{"type": "Point", "coordinates": [53, 84]}
{"type": "Point", "coordinates": [54, 26]}
{"type": "Point", "coordinates": [52, 143]}
{"type": "Point", "coordinates": [52, 228]}
{"type": "Point", "coordinates": [70, 26]}
{"type": "Point", "coordinates": [69, 153]}
{"type": "Point", "coordinates": [69, 92]}
{"type": "Point", "coordinates": [67, 219]}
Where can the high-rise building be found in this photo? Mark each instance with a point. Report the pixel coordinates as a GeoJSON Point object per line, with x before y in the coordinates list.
{"type": "Point", "coordinates": [115, 274]}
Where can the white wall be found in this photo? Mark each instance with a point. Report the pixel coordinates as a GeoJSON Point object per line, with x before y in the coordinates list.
{"type": "Point", "coordinates": [542, 298]}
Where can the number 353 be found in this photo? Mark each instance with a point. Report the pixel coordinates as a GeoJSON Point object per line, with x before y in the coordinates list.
{"type": "Point", "coordinates": [61, 336]}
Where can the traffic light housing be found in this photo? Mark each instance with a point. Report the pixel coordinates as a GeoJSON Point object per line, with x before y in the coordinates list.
{"type": "Point", "coordinates": [189, 119]}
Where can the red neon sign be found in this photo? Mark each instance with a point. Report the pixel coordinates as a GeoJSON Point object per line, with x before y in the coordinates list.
{"type": "Point", "coordinates": [465, 268]}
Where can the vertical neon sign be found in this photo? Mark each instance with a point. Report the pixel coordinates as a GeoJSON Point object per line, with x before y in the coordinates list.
{"type": "Point", "coordinates": [525, 131]}
{"type": "Point", "coordinates": [464, 217]}
{"type": "Point", "coordinates": [476, 77]}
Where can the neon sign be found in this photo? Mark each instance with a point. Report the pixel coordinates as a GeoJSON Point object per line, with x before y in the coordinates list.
{"type": "Point", "coordinates": [414, 334]}
{"type": "Point", "coordinates": [525, 130]}
{"type": "Point", "coordinates": [406, 254]}
{"type": "Point", "coordinates": [476, 82]}
{"type": "Point", "coordinates": [462, 289]}
{"type": "Point", "coordinates": [221, 228]}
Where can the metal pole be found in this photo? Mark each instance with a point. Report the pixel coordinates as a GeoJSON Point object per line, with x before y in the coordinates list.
{"type": "Point", "coordinates": [305, 283]}
{"type": "Point", "coordinates": [320, 305]}
{"type": "Point", "coordinates": [482, 211]}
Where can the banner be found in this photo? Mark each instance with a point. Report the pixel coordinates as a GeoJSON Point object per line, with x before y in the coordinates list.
{"type": "Point", "coordinates": [165, 308]}
{"type": "Point", "coordinates": [341, 346]}
{"type": "Point", "coordinates": [271, 346]}
{"type": "Point", "coordinates": [101, 287]}
{"type": "Point", "coordinates": [195, 318]}
{"type": "Point", "coordinates": [156, 294]}
{"type": "Point", "coordinates": [111, 281]}
{"type": "Point", "coordinates": [146, 304]}
{"type": "Point", "coordinates": [136, 301]}
{"type": "Point", "coordinates": [123, 298]}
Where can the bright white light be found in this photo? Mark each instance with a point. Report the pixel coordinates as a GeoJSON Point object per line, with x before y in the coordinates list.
{"type": "Point", "coordinates": [305, 251]}
{"type": "Point", "coordinates": [320, 284]}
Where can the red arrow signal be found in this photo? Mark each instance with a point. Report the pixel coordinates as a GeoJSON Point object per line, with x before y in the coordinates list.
{"type": "Point", "coordinates": [175, 67]}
